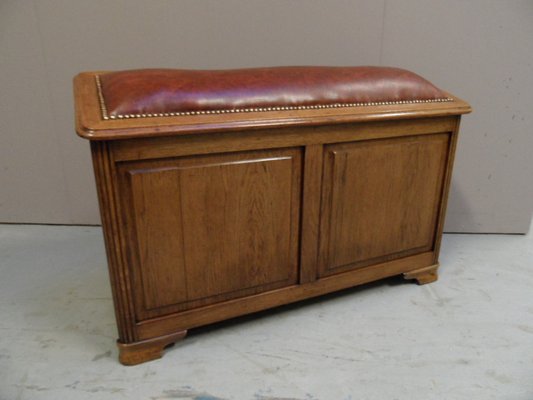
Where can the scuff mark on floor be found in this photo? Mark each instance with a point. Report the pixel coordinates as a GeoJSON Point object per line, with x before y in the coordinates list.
{"type": "Point", "coordinates": [105, 389]}
{"type": "Point", "coordinates": [102, 355]}
{"type": "Point", "coordinates": [259, 396]}
{"type": "Point", "coordinates": [498, 377]}
{"type": "Point", "coordinates": [185, 393]}
{"type": "Point", "coordinates": [37, 388]}
{"type": "Point", "coordinates": [526, 328]}
{"type": "Point", "coordinates": [72, 385]}
{"type": "Point", "coordinates": [333, 357]}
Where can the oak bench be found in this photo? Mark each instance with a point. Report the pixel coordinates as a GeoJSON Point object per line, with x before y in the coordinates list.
{"type": "Point", "coordinates": [227, 192]}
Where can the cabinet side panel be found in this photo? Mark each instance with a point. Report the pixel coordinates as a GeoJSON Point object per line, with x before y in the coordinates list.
{"type": "Point", "coordinates": [382, 199]}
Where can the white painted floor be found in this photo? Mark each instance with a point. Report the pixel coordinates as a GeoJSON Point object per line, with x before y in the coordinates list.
{"type": "Point", "coordinates": [467, 336]}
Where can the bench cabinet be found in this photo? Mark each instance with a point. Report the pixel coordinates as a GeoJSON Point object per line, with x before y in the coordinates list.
{"type": "Point", "coordinates": [223, 193]}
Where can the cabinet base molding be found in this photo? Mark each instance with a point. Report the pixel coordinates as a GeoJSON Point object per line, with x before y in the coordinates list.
{"type": "Point", "coordinates": [423, 275]}
{"type": "Point", "coordinates": [147, 350]}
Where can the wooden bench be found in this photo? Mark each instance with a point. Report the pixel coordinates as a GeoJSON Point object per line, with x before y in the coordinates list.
{"type": "Point", "coordinates": [223, 193]}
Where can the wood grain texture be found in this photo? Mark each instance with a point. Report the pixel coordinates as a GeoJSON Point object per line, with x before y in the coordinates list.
{"type": "Point", "coordinates": [380, 200]}
{"type": "Point", "coordinates": [311, 212]}
{"type": "Point", "coordinates": [155, 193]}
{"type": "Point", "coordinates": [211, 228]}
{"type": "Point", "coordinates": [161, 147]}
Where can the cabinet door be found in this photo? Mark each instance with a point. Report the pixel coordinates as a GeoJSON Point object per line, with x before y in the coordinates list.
{"type": "Point", "coordinates": [204, 229]}
{"type": "Point", "coordinates": [380, 200]}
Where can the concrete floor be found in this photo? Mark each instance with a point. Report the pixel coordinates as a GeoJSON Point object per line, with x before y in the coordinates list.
{"type": "Point", "coordinates": [467, 336]}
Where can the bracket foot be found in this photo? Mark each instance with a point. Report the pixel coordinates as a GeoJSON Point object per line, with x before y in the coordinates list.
{"type": "Point", "coordinates": [423, 275]}
{"type": "Point", "coordinates": [147, 350]}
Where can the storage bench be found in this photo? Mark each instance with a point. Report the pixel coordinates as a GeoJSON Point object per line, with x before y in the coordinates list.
{"type": "Point", "coordinates": [223, 193]}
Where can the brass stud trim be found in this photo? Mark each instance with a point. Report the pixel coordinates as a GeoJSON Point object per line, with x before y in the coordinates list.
{"type": "Point", "coordinates": [106, 116]}
{"type": "Point", "coordinates": [101, 100]}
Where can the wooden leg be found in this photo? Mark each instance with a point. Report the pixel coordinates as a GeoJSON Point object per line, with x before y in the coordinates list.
{"type": "Point", "coordinates": [423, 275]}
{"type": "Point", "coordinates": [147, 350]}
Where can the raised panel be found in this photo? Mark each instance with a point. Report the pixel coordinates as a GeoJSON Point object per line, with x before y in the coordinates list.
{"type": "Point", "coordinates": [237, 219]}
{"type": "Point", "coordinates": [210, 228]}
{"type": "Point", "coordinates": [380, 200]}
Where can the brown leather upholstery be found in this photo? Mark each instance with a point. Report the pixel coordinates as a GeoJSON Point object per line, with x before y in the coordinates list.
{"type": "Point", "coordinates": [162, 91]}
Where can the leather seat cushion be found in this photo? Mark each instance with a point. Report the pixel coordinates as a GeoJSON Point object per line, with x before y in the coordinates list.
{"type": "Point", "coordinates": [168, 92]}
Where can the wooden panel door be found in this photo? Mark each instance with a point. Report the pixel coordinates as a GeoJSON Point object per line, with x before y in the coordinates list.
{"type": "Point", "coordinates": [380, 200]}
{"type": "Point", "coordinates": [204, 229]}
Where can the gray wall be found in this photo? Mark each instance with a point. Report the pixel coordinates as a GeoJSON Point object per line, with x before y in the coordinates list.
{"type": "Point", "coordinates": [479, 50]}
